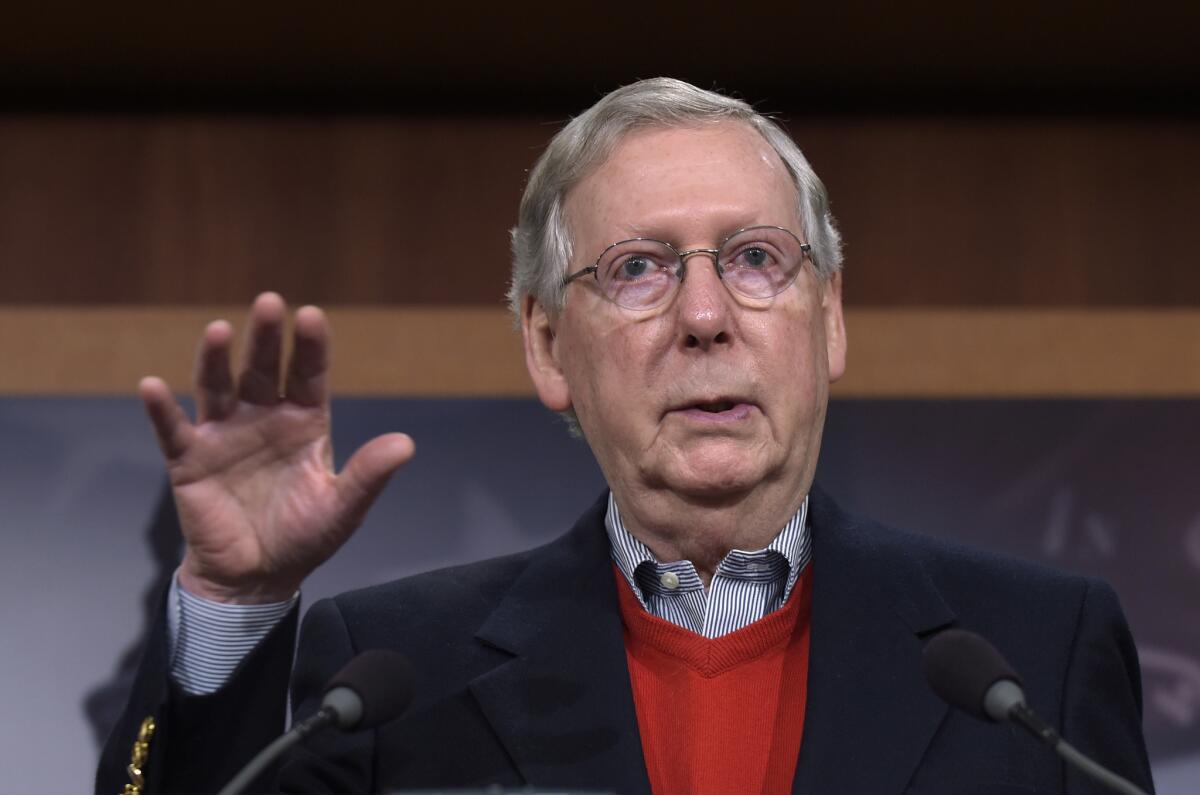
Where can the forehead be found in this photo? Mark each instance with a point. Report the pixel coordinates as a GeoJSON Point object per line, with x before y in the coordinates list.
{"type": "Point", "coordinates": [681, 182]}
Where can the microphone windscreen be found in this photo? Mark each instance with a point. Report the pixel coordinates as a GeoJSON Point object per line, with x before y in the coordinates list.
{"type": "Point", "coordinates": [383, 679]}
{"type": "Point", "coordinates": [960, 666]}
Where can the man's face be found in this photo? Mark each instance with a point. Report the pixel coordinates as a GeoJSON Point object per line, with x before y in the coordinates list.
{"type": "Point", "coordinates": [643, 383]}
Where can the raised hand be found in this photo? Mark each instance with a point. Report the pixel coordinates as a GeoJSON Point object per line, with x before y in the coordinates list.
{"type": "Point", "coordinates": [259, 503]}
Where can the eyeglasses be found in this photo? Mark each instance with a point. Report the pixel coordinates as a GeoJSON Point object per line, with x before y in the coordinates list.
{"type": "Point", "coordinates": [758, 262]}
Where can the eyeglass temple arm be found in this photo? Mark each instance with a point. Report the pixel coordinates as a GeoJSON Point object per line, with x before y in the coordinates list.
{"type": "Point", "coordinates": [582, 272]}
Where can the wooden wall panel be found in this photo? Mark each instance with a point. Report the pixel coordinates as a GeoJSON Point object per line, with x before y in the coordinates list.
{"type": "Point", "coordinates": [1016, 212]}
{"type": "Point", "coordinates": [193, 211]}
{"type": "Point", "coordinates": [200, 210]}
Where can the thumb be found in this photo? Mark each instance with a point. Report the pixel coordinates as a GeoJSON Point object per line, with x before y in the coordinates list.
{"type": "Point", "coordinates": [369, 470]}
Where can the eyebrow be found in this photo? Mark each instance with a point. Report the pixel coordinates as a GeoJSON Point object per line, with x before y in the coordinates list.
{"type": "Point", "coordinates": [638, 231]}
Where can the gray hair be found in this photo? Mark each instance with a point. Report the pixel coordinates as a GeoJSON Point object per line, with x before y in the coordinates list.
{"type": "Point", "coordinates": [541, 245]}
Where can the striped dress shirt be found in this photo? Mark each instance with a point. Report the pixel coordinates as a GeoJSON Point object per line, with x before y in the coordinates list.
{"type": "Point", "coordinates": [745, 585]}
{"type": "Point", "coordinates": [209, 639]}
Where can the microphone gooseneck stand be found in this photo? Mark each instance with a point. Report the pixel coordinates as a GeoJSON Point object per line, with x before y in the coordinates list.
{"type": "Point", "coordinates": [969, 673]}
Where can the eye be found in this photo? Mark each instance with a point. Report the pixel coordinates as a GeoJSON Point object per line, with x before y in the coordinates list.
{"type": "Point", "coordinates": [754, 256]}
{"type": "Point", "coordinates": [638, 274]}
{"type": "Point", "coordinates": [761, 261]}
{"type": "Point", "coordinates": [637, 261]}
{"type": "Point", "coordinates": [633, 267]}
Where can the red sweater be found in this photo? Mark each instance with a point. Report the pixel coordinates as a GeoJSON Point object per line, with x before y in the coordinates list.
{"type": "Point", "coordinates": [719, 716]}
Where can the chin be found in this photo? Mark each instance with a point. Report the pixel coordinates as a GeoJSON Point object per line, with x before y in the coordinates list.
{"type": "Point", "coordinates": [715, 480]}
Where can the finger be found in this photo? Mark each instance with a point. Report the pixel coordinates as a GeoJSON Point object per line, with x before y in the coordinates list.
{"type": "Point", "coordinates": [308, 371]}
{"type": "Point", "coordinates": [213, 380]}
{"type": "Point", "coordinates": [258, 381]}
{"type": "Point", "coordinates": [171, 425]}
{"type": "Point", "coordinates": [368, 471]}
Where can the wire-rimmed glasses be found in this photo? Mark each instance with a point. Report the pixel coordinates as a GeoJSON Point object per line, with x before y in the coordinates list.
{"type": "Point", "coordinates": [643, 273]}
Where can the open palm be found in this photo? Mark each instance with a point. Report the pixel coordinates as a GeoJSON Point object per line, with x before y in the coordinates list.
{"type": "Point", "coordinates": [259, 503]}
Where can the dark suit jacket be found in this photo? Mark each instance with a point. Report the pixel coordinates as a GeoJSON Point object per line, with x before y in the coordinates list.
{"type": "Point", "coordinates": [522, 680]}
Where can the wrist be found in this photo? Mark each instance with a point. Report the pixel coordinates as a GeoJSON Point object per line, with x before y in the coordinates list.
{"type": "Point", "coordinates": [250, 592]}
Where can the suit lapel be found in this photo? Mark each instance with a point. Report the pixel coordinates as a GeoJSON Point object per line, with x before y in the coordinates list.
{"type": "Point", "coordinates": [563, 707]}
{"type": "Point", "coordinates": [870, 714]}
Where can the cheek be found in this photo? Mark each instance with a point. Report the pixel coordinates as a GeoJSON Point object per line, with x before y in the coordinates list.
{"type": "Point", "coordinates": [593, 362]}
{"type": "Point", "coordinates": [629, 354]}
{"type": "Point", "coordinates": [617, 377]}
{"type": "Point", "coordinates": [795, 366]}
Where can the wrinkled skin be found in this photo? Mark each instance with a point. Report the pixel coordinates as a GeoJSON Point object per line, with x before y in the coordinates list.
{"type": "Point", "coordinates": [259, 504]}
{"type": "Point", "coordinates": [692, 484]}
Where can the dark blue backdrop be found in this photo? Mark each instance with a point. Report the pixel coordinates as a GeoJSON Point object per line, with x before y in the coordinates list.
{"type": "Point", "coordinates": [1105, 487]}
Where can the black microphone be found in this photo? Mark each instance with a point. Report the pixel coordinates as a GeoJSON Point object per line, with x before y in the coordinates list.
{"type": "Point", "coordinates": [967, 672]}
{"type": "Point", "coordinates": [371, 689]}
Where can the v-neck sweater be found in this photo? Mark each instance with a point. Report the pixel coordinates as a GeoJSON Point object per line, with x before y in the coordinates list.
{"type": "Point", "coordinates": [722, 715]}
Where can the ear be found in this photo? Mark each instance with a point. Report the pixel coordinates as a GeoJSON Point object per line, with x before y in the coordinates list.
{"type": "Point", "coordinates": [541, 355]}
{"type": "Point", "coordinates": [835, 326]}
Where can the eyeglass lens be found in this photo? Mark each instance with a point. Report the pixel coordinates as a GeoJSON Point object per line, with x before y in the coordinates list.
{"type": "Point", "coordinates": [756, 263]}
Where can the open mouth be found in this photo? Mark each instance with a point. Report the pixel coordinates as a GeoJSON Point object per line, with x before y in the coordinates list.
{"type": "Point", "coordinates": [720, 411]}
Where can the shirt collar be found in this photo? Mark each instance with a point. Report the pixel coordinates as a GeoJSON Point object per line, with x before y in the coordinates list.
{"type": "Point", "coordinates": [793, 543]}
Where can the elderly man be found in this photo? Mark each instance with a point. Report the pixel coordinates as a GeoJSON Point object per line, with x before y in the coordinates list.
{"type": "Point", "coordinates": [713, 623]}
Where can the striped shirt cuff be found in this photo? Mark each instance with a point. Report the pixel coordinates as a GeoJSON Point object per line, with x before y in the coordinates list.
{"type": "Point", "coordinates": [208, 640]}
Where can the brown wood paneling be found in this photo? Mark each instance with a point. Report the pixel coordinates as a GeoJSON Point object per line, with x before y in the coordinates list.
{"type": "Point", "coordinates": [473, 351]}
{"type": "Point", "coordinates": [1035, 213]}
{"type": "Point", "coordinates": [194, 210]}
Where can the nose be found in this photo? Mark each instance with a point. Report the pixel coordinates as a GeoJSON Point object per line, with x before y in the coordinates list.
{"type": "Point", "coordinates": [703, 303]}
